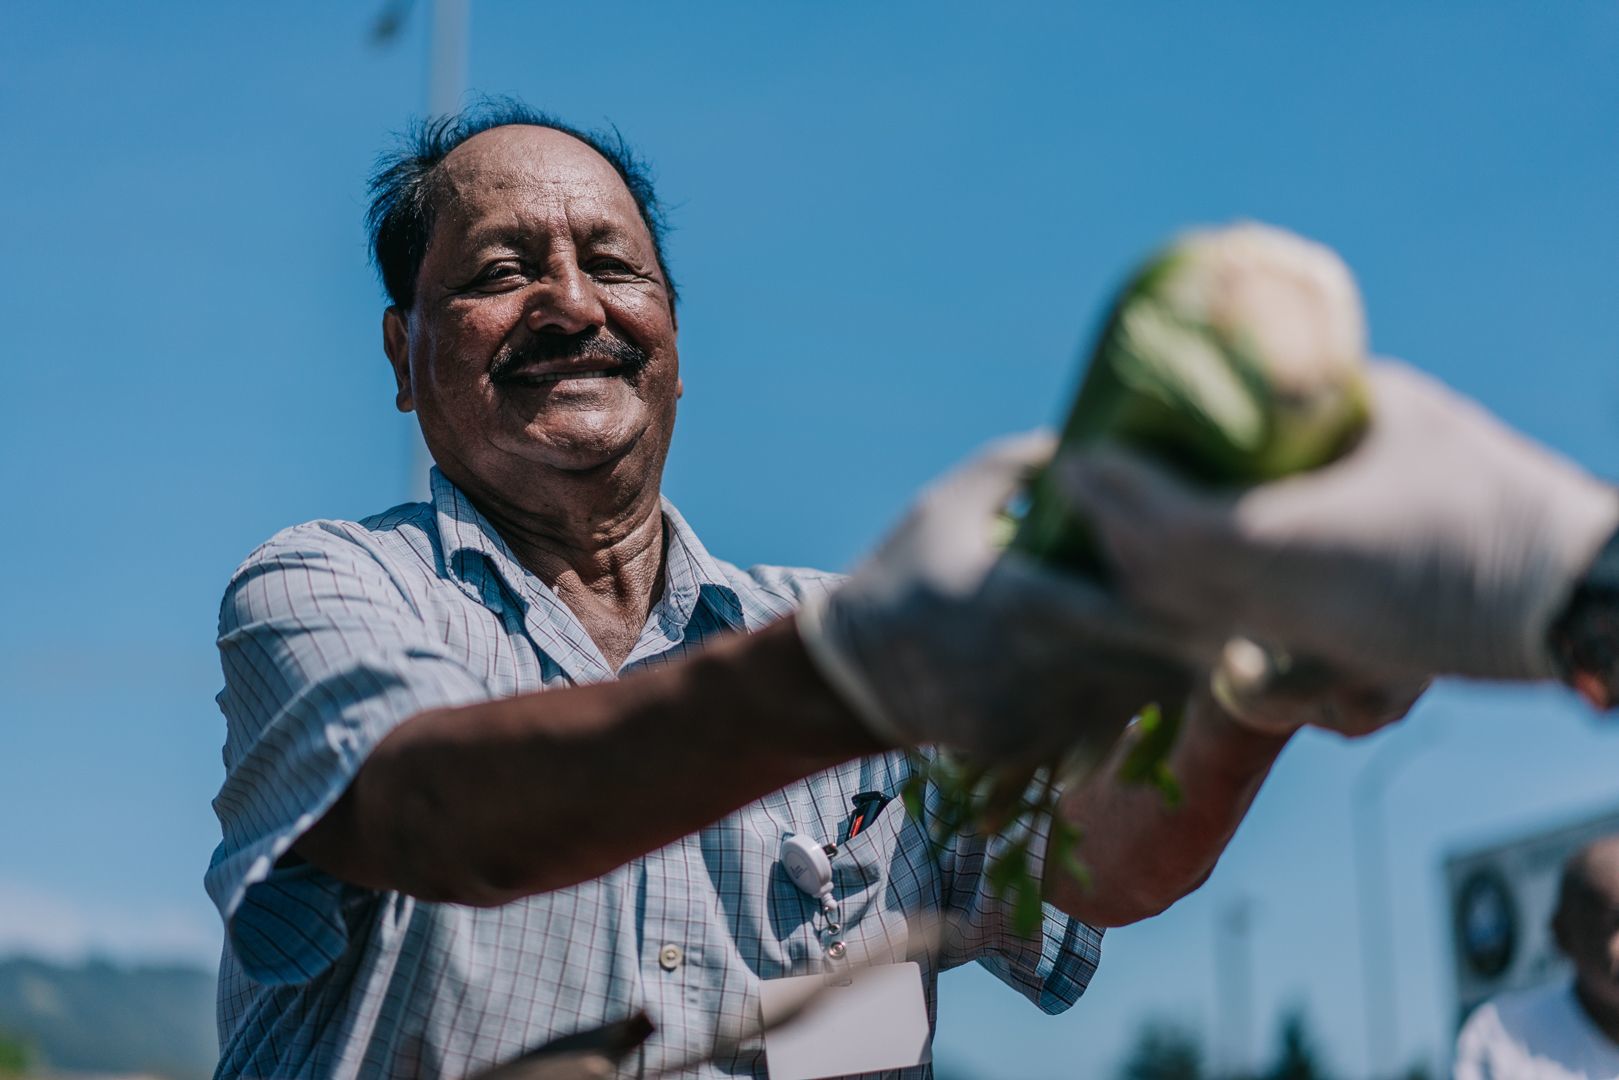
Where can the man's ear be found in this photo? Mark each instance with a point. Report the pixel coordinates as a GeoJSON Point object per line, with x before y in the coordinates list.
{"type": "Point", "coordinates": [396, 343]}
{"type": "Point", "coordinates": [674, 321]}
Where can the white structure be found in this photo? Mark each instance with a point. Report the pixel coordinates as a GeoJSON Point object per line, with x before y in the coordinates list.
{"type": "Point", "coordinates": [1501, 898]}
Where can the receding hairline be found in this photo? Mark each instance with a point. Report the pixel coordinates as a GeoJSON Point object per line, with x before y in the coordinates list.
{"type": "Point", "coordinates": [508, 131]}
{"type": "Point", "coordinates": [407, 185]}
{"type": "Point", "coordinates": [442, 182]}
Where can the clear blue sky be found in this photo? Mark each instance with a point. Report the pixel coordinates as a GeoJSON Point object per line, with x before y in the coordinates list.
{"type": "Point", "coordinates": [895, 224]}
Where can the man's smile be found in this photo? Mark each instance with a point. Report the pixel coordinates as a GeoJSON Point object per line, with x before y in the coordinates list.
{"type": "Point", "coordinates": [539, 377]}
{"type": "Point", "coordinates": [547, 360]}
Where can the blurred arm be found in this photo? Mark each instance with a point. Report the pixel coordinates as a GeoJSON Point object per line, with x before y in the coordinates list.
{"type": "Point", "coordinates": [1143, 854]}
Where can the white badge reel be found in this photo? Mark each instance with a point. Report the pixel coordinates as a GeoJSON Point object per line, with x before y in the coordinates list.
{"type": "Point", "coordinates": [842, 1021]}
{"type": "Point", "coordinates": [807, 864]}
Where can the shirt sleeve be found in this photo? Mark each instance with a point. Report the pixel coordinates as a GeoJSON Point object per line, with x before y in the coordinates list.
{"type": "Point", "coordinates": [324, 654]}
{"type": "Point", "coordinates": [1051, 967]}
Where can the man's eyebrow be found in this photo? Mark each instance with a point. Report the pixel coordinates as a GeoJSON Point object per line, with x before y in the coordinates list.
{"type": "Point", "coordinates": [608, 231]}
{"type": "Point", "coordinates": [512, 235]}
{"type": "Point", "coordinates": [505, 233]}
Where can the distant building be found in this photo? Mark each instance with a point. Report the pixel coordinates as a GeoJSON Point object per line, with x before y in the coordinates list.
{"type": "Point", "coordinates": [1501, 898]}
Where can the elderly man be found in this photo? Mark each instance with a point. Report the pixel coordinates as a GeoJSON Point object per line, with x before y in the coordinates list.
{"type": "Point", "coordinates": [1561, 1031]}
{"type": "Point", "coordinates": [520, 761]}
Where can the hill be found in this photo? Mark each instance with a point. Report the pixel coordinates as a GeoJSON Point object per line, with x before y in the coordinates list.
{"type": "Point", "coordinates": [111, 1018]}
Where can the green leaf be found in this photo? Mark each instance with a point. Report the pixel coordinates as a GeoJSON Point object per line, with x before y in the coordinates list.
{"type": "Point", "coordinates": [1163, 778]}
{"type": "Point", "coordinates": [1026, 907]}
{"type": "Point", "coordinates": [911, 796]}
{"type": "Point", "coordinates": [1072, 865]}
{"type": "Point", "coordinates": [1062, 852]}
{"type": "Point", "coordinates": [1148, 760]}
{"type": "Point", "coordinates": [1012, 866]}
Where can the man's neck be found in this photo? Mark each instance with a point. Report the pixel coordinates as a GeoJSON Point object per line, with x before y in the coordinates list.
{"type": "Point", "coordinates": [1600, 1013]}
{"type": "Point", "coordinates": [598, 546]}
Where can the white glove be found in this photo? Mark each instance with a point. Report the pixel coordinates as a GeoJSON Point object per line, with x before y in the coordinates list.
{"type": "Point", "coordinates": [1273, 693]}
{"type": "Point", "coordinates": [941, 637]}
{"type": "Point", "coordinates": [1444, 543]}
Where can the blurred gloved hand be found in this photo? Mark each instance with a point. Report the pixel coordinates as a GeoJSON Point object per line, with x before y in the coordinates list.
{"type": "Point", "coordinates": [943, 637]}
{"type": "Point", "coordinates": [1444, 543]}
{"type": "Point", "coordinates": [1271, 692]}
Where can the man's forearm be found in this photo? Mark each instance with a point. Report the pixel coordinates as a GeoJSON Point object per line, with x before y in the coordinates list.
{"type": "Point", "coordinates": [488, 802]}
{"type": "Point", "coordinates": [1144, 854]}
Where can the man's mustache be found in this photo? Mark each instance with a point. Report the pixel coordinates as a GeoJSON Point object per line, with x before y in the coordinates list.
{"type": "Point", "coordinates": [589, 347]}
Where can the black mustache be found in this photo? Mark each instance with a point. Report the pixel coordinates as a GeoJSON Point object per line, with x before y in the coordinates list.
{"type": "Point", "coordinates": [590, 347]}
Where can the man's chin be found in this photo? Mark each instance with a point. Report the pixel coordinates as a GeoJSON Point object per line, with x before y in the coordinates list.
{"type": "Point", "coordinates": [575, 451]}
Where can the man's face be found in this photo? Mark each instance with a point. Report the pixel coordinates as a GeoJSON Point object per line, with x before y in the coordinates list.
{"type": "Point", "coordinates": [1588, 926]}
{"type": "Point", "coordinates": [542, 335]}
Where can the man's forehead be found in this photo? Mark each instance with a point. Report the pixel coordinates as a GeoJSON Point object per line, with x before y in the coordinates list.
{"type": "Point", "coordinates": [526, 160]}
{"type": "Point", "coordinates": [1594, 873]}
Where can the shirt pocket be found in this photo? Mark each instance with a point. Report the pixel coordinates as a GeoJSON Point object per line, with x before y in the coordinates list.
{"type": "Point", "coordinates": [878, 889]}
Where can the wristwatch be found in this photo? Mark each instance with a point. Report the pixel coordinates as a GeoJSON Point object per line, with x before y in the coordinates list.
{"type": "Point", "coordinates": [1584, 638]}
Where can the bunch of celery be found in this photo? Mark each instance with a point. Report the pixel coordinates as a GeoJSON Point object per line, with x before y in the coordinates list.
{"type": "Point", "coordinates": [1234, 356]}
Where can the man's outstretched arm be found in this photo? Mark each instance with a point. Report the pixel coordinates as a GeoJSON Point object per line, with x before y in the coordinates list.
{"type": "Point", "coordinates": [480, 801]}
{"type": "Point", "coordinates": [484, 803]}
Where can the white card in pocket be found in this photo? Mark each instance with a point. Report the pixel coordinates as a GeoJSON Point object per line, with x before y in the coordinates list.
{"type": "Point", "coordinates": [866, 1020]}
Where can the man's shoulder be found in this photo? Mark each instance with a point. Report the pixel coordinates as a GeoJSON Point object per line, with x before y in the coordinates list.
{"type": "Point", "coordinates": [778, 590]}
{"type": "Point", "coordinates": [766, 591]}
{"type": "Point", "coordinates": [401, 538]}
{"type": "Point", "coordinates": [1539, 1020]}
{"type": "Point", "coordinates": [1533, 1007]}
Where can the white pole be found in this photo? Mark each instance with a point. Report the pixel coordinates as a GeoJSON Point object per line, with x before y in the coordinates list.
{"type": "Point", "coordinates": [447, 75]}
{"type": "Point", "coordinates": [1234, 985]}
{"type": "Point", "coordinates": [1377, 960]}
{"type": "Point", "coordinates": [446, 82]}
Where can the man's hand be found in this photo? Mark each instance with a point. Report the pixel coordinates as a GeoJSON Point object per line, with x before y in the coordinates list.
{"type": "Point", "coordinates": [944, 637]}
{"type": "Point", "coordinates": [1271, 693]}
{"type": "Point", "coordinates": [1444, 543]}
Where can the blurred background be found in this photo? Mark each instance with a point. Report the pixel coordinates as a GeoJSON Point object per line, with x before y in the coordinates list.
{"type": "Point", "coordinates": [894, 226]}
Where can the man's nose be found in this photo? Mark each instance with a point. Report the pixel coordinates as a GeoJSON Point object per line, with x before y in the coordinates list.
{"type": "Point", "coordinates": [566, 301]}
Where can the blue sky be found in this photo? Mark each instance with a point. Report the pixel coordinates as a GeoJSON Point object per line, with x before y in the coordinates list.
{"type": "Point", "coordinates": [894, 226]}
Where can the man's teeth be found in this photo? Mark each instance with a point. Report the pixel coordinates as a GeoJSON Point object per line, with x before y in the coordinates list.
{"type": "Point", "coordinates": [557, 376]}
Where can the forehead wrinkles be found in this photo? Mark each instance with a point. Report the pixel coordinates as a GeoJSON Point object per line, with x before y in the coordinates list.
{"type": "Point", "coordinates": [518, 184]}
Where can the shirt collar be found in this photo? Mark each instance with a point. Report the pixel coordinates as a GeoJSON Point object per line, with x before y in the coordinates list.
{"type": "Point", "coordinates": [691, 572]}
{"type": "Point", "coordinates": [463, 529]}
{"type": "Point", "coordinates": [693, 580]}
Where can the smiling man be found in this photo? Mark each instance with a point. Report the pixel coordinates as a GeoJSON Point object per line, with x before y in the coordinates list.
{"type": "Point", "coordinates": [520, 761]}
{"type": "Point", "coordinates": [536, 342]}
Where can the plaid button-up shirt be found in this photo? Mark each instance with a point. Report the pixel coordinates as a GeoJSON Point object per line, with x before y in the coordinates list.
{"type": "Point", "coordinates": [335, 632]}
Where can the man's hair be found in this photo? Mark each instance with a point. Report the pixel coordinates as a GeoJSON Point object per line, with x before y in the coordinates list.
{"type": "Point", "coordinates": [406, 186]}
{"type": "Point", "coordinates": [1587, 881]}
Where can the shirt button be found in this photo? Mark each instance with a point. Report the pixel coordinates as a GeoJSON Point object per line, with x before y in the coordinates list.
{"type": "Point", "coordinates": [670, 956]}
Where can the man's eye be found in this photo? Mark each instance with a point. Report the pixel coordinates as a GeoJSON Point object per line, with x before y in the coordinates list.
{"type": "Point", "coordinates": [498, 272]}
{"type": "Point", "coordinates": [611, 268]}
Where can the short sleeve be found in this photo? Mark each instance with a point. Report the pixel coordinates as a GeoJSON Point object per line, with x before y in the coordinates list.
{"type": "Point", "coordinates": [1052, 967]}
{"type": "Point", "coordinates": [323, 654]}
